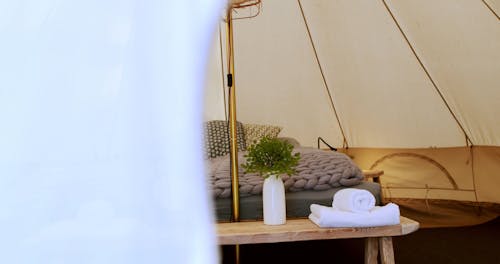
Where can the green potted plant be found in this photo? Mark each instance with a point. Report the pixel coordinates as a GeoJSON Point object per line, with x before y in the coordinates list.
{"type": "Point", "coordinates": [272, 157]}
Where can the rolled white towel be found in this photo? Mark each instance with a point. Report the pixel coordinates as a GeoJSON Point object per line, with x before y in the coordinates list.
{"type": "Point", "coordinates": [324, 216]}
{"type": "Point", "coordinates": [353, 200]}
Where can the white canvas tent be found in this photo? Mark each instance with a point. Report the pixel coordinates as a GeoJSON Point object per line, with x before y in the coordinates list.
{"type": "Point", "coordinates": [409, 87]}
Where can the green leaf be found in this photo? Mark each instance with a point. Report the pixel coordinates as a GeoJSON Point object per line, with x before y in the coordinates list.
{"type": "Point", "coordinates": [271, 156]}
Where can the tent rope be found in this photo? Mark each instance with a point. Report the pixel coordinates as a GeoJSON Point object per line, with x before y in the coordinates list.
{"type": "Point", "coordinates": [468, 141]}
{"type": "Point", "coordinates": [223, 77]}
{"type": "Point", "coordinates": [491, 9]}
{"type": "Point", "coordinates": [344, 139]}
{"type": "Point", "coordinates": [473, 171]}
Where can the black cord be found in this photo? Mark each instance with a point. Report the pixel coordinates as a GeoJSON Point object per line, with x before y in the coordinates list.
{"type": "Point", "coordinates": [320, 139]}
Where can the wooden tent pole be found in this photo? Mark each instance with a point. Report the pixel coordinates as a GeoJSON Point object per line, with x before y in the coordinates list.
{"type": "Point", "coordinates": [232, 118]}
{"type": "Point", "coordinates": [235, 216]}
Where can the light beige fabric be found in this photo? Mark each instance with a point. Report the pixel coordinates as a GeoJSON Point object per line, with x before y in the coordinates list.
{"type": "Point", "coordinates": [255, 132]}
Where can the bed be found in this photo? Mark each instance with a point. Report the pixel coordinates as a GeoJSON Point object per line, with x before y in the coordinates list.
{"type": "Point", "coordinates": [297, 203]}
{"type": "Point", "coordinates": [321, 173]}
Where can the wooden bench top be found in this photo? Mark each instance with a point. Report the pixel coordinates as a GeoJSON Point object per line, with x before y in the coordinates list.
{"type": "Point", "coordinates": [301, 230]}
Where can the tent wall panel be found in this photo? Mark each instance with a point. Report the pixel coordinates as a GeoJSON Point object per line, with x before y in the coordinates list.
{"type": "Point", "coordinates": [487, 171]}
{"type": "Point", "coordinates": [458, 40]}
{"type": "Point", "coordinates": [375, 80]}
{"type": "Point", "coordinates": [438, 213]}
{"type": "Point", "coordinates": [390, 193]}
{"type": "Point", "coordinates": [278, 81]}
{"type": "Point", "coordinates": [425, 172]}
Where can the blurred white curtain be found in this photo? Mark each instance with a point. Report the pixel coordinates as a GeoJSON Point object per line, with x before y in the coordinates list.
{"type": "Point", "coordinates": [100, 131]}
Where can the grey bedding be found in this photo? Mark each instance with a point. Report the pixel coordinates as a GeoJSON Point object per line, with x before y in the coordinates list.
{"type": "Point", "coordinates": [320, 175]}
{"type": "Point", "coordinates": [297, 203]}
{"type": "Point", "coordinates": [317, 171]}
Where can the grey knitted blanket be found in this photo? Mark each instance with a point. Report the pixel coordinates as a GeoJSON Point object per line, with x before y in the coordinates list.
{"type": "Point", "coordinates": [317, 170]}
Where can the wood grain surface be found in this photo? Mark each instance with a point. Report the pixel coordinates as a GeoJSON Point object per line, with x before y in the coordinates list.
{"type": "Point", "coordinates": [302, 230]}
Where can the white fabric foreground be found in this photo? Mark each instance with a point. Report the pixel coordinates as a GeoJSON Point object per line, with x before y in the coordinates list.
{"type": "Point", "coordinates": [94, 140]}
{"type": "Point", "coordinates": [324, 216]}
{"type": "Point", "coordinates": [354, 200]}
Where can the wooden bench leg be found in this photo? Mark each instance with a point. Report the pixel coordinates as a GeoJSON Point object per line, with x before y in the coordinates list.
{"type": "Point", "coordinates": [386, 250]}
{"type": "Point", "coordinates": [371, 250]}
{"type": "Point", "coordinates": [237, 254]}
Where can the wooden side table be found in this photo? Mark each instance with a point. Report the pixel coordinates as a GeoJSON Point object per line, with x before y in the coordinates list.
{"type": "Point", "coordinates": [377, 239]}
{"type": "Point", "coordinates": [374, 175]}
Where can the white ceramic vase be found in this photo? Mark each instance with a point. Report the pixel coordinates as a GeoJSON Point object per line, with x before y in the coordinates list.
{"type": "Point", "coordinates": [273, 199]}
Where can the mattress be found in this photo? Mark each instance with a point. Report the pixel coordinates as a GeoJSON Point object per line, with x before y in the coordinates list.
{"type": "Point", "coordinates": [297, 203]}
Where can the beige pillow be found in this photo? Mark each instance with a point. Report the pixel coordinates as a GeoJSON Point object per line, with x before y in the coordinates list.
{"type": "Point", "coordinates": [255, 132]}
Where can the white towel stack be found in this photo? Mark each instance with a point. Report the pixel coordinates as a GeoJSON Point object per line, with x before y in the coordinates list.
{"type": "Point", "coordinates": [353, 200]}
{"type": "Point", "coordinates": [354, 208]}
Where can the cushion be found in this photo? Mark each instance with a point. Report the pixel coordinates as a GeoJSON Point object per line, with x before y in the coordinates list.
{"type": "Point", "coordinates": [295, 143]}
{"type": "Point", "coordinates": [217, 138]}
{"type": "Point", "coordinates": [255, 132]}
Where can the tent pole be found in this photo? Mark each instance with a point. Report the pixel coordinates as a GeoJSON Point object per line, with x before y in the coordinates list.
{"type": "Point", "coordinates": [232, 118]}
{"type": "Point", "coordinates": [232, 126]}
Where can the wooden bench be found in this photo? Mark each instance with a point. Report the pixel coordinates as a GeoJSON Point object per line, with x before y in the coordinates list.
{"type": "Point", "coordinates": [377, 239]}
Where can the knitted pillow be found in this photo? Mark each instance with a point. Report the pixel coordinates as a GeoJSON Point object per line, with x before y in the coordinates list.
{"type": "Point", "coordinates": [255, 132]}
{"type": "Point", "coordinates": [217, 138]}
